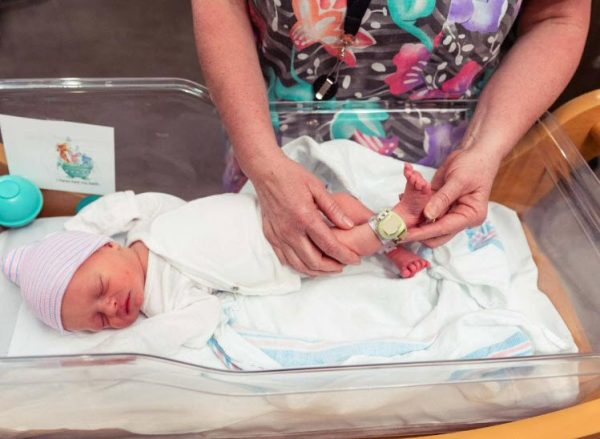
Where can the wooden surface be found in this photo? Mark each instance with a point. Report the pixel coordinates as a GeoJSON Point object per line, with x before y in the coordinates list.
{"type": "Point", "coordinates": [3, 161]}
{"type": "Point", "coordinates": [580, 119]}
{"type": "Point", "coordinates": [574, 422]}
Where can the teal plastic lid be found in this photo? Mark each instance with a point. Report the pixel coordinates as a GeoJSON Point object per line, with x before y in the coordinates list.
{"type": "Point", "coordinates": [87, 200]}
{"type": "Point", "coordinates": [20, 201]}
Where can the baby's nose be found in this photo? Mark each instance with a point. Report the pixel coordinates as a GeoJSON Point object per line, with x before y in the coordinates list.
{"type": "Point", "coordinates": [111, 306]}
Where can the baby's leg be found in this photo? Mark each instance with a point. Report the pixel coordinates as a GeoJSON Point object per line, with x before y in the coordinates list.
{"type": "Point", "coordinates": [412, 202]}
{"type": "Point", "coordinates": [407, 262]}
{"type": "Point", "coordinates": [416, 195]}
{"type": "Point", "coordinates": [353, 208]}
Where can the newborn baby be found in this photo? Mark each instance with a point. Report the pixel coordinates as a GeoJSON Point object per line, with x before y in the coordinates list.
{"type": "Point", "coordinates": [77, 280]}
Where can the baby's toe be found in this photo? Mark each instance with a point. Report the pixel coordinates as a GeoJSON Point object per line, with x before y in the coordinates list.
{"type": "Point", "coordinates": [414, 181]}
{"type": "Point", "coordinates": [421, 181]}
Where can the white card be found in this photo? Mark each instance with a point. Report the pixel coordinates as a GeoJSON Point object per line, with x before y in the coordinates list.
{"type": "Point", "coordinates": [64, 156]}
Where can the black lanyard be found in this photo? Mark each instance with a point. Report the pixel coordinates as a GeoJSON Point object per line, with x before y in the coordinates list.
{"type": "Point", "coordinates": [325, 86]}
{"type": "Point", "coordinates": [355, 11]}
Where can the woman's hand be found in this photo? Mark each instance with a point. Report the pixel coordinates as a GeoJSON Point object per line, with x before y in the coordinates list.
{"type": "Point", "coordinates": [294, 206]}
{"type": "Point", "coordinates": [462, 187]}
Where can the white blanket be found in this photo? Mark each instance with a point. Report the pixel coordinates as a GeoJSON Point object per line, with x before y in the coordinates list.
{"type": "Point", "coordinates": [478, 300]}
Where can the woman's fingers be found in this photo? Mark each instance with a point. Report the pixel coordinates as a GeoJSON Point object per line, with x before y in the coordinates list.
{"type": "Point", "coordinates": [305, 257]}
{"type": "Point", "coordinates": [295, 205]}
{"type": "Point", "coordinates": [324, 238]}
{"type": "Point", "coordinates": [320, 233]}
{"type": "Point", "coordinates": [330, 208]}
{"type": "Point", "coordinates": [448, 225]}
{"type": "Point", "coordinates": [297, 264]}
{"type": "Point", "coordinates": [461, 190]}
{"type": "Point", "coordinates": [296, 250]}
{"type": "Point", "coordinates": [469, 211]}
{"type": "Point", "coordinates": [441, 200]}
{"type": "Point", "coordinates": [439, 241]}
{"type": "Point", "coordinates": [270, 235]}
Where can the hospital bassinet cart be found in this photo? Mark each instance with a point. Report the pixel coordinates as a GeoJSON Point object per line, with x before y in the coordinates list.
{"type": "Point", "coordinates": [167, 135]}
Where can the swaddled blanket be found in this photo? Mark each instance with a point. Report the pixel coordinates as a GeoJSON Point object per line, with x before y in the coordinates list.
{"type": "Point", "coordinates": [479, 298]}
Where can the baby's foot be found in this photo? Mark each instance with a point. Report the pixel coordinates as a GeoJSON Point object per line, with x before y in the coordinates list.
{"type": "Point", "coordinates": [415, 196]}
{"type": "Point", "coordinates": [407, 262]}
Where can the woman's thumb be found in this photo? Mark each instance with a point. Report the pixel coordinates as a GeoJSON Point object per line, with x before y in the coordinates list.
{"type": "Point", "coordinates": [441, 200]}
{"type": "Point", "coordinates": [332, 210]}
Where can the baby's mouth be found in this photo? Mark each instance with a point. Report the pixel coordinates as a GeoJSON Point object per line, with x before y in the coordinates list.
{"type": "Point", "coordinates": [127, 303]}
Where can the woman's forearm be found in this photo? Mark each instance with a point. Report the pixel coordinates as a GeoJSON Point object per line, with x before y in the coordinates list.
{"type": "Point", "coordinates": [534, 72]}
{"type": "Point", "coordinates": [229, 60]}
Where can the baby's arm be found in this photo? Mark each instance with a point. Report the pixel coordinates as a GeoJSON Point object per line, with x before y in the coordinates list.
{"type": "Point", "coordinates": [121, 212]}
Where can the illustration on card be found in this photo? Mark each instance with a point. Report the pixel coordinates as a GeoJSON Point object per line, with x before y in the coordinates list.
{"type": "Point", "coordinates": [73, 162]}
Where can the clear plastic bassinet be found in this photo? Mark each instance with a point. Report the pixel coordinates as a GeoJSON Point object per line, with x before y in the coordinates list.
{"type": "Point", "coordinates": [173, 122]}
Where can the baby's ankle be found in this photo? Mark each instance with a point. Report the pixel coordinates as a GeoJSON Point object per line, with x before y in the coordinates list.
{"type": "Point", "coordinates": [410, 219]}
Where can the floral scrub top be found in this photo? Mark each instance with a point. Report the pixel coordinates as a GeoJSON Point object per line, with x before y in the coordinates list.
{"type": "Point", "coordinates": [405, 51]}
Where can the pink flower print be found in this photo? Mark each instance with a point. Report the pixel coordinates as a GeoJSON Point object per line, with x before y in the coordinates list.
{"type": "Point", "coordinates": [438, 39]}
{"type": "Point", "coordinates": [458, 85]}
{"type": "Point", "coordinates": [409, 62]}
{"type": "Point", "coordinates": [453, 88]}
{"type": "Point", "coordinates": [381, 145]}
{"type": "Point", "coordinates": [321, 21]}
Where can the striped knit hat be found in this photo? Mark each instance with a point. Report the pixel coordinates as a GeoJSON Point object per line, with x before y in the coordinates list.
{"type": "Point", "coordinates": [43, 270]}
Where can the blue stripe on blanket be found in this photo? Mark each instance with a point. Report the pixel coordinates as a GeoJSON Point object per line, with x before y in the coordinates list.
{"type": "Point", "coordinates": [517, 345]}
{"type": "Point", "coordinates": [317, 353]}
{"type": "Point", "coordinates": [291, 352]}
{"type": "Point", "coordinates": [221, 354]}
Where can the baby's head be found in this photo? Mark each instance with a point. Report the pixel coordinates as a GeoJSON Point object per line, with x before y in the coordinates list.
{"type": "Point", "coordinates": [79, 281]}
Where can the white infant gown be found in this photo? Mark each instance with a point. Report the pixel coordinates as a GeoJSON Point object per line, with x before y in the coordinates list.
{"type": "Point", "coordinates": [209, 244]}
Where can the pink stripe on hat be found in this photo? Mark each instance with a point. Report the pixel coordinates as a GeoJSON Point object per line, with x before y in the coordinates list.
{"type": "Point", "coordinates": [43, 270]}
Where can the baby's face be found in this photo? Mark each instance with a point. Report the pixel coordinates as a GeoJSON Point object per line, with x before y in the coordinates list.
{"type": "Point", "coordinates": [106, 291]}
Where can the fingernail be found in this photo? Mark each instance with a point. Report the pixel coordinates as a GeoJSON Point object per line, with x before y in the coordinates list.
{"type": "Point", "coordinates": [430, 212]}
{"type": "Point", "coordinates": [348, 221]}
